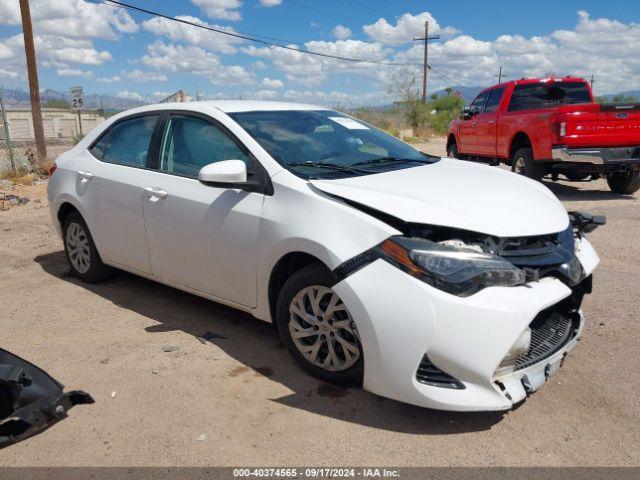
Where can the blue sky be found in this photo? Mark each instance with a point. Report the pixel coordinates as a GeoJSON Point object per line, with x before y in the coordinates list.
{"type": "Point", "coordinates": [110, 50]}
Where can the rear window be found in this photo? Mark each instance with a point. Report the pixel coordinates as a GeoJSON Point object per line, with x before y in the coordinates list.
{"type": "Point", "coordinates": [545, 95]}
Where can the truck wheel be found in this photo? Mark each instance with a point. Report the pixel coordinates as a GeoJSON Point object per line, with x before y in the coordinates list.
{"type": "Point", "coordinates": [452, 151]}
{"type": "Point", "coordinates": [523, 163]}
{"type": "Point", "coordinates": [624, 183]}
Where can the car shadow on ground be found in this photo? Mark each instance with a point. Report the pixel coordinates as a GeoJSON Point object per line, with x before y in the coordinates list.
{"type": "Point", "coordinates": [574, 192]}
{"type": "Point", "coordinates": [257, 346]}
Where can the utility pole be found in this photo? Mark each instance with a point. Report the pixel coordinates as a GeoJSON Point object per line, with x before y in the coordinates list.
{"type": "Point", "coordinates": [34, 86]}
{"type": "Point", "coordinates": [425, 66]}
{"type": "Point", "coordinates": [501, 75]}
{"type": "Point", "coordinates": [593, 80]}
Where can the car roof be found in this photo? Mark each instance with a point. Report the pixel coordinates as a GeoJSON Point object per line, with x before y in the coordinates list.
{"type": "Point", "coordinates": [227, 106]}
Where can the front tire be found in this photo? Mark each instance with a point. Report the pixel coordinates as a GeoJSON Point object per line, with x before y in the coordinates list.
{"type": "Point", "coordinates": [523, 163]}
{"type": "Point", "coordinates": [81, 251]}
{"type": "Point", "coordinates": [317, 328]}
{"type": "Point", "coordinates": [452, 151]}
{"type": "Point", "coordinates": [624, 184]}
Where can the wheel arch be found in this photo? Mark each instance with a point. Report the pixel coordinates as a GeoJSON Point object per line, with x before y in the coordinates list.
{"type": "Point", "coordinates": [286, 266]}
{"type": "Point", "coordinates": [65, 209]}
{"type": "Point", "coordinates": [519, 140]}
{"type": "Point", "coordinates": [451, 139]}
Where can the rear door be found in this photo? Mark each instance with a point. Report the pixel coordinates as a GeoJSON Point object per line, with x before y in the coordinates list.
{"type": "Point", "coordinates": [110, 176]}
{"type": "Point", "coordinates": [487, 124]}
{"type": "Point", "coordinates": [468, 136]}
{"type": "Point", "coordinates": [199, 236]}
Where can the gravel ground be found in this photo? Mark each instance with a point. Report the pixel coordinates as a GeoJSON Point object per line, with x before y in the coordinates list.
{"type": "Point", "coordinates": [164, 397]}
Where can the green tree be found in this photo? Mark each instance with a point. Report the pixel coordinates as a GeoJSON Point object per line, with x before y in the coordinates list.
{"type": "Point", "coordinates": [404, 85]}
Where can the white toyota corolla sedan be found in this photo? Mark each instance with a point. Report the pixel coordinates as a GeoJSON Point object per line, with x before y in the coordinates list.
{"type": "Point", "coordinates": [431, 281]}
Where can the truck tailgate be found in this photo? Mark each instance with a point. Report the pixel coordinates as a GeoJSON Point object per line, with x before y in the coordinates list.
{"type": "Point", "coordinates": [601, 125]}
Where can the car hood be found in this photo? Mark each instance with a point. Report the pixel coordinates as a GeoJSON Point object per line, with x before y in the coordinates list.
{"type": "Point", "coordinates": [458, 194]}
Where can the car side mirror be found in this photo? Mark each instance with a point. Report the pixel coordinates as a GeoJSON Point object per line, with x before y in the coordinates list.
{"type": "Point", "coordinates": [228, 173]}
{"type": "Point", "coordinates": [468, 113]}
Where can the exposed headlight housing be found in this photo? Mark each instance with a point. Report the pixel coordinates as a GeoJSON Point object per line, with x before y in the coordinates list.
{"type": "Point", "coordinates": [456, 270]}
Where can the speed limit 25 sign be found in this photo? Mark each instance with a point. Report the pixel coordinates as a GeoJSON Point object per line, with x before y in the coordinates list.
{"type": "Point", "coordinates": [77, 98]}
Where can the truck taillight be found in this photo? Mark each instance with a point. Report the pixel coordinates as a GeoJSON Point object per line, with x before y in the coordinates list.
{"type": "Point", "coordinates": [563, 129]}
{"type": "Point", "coordinates": [52, 168]}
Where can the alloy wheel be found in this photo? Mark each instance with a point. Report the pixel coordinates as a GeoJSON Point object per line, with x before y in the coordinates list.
{"type": "Point", "coordinates": [78, 248]}
{"type": "Point", "coordinates": [322, 329]}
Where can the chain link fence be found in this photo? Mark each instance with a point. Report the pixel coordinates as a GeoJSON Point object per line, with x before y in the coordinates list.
{"type": "Point", "coordinates": [18, 152]}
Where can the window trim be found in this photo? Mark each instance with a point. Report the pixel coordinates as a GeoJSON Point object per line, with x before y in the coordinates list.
{"type": "Point", "coordinates": [263, 184]}
{"type": "Point", "coordinates": [504, 89]}
{"type": "Point", "coordinates": [151, 151]}
{"type": "Point", "coordinates": [537, 84]}
{"type": "Point", "coordinates": [485, 92]}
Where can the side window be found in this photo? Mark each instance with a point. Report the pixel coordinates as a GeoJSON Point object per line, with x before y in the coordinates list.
{"type": "Point", "coordinates": [479, 101]}
{"type": "Point", "coordinates": [190, 143]}
{"type": "Point", "coordinates": [527, 97]}
{"type": "Point", "coordinates": [494, 100]}
{"type": "Point", "coordinates": [126, 142]}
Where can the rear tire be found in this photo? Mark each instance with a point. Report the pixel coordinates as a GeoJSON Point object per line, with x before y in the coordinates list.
{"type": "Point", "coordinates": [452, 151]}
{"type": "Point", "coordinates": [523, 163]}
{"type": "Point", "coordinates": [624, 183]}
{"type": "Point", "coordinates": [83, 257]}
{"type": "Point", "coordinates": [317, 328]}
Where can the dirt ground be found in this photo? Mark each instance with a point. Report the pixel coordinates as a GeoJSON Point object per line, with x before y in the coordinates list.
{"type": "Point", "coordinates": [165, 398]}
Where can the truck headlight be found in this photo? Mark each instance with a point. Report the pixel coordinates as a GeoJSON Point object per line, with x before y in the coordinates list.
{"type": "Point", "coordinates": [456, 270]}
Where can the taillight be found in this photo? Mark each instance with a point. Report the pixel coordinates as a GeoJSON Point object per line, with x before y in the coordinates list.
{"type": "Point", "coordinates": [52, 168]}
{"type": "Point", "coordinates": [563, 129]}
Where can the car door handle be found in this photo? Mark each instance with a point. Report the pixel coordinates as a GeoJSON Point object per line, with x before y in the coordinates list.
{"type": "Point", "coordinates": [474, 124]}
{"type": "Point", "coordinates": [86, 176]}
{"type": "Point", "coordinates": [155, 192]}
{"type": "Point", "coordinates": [491, 122]}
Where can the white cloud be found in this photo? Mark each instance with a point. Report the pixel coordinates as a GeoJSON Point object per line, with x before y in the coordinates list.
{"type": "Point", "coordinates": [115, 78]}
{"type": "Point", "coordinates": [138, 75]}
{"type": "Point", "coordinates": [72, 72]}
{"type": "Point", "coordinates": [222, 9]}
{"type": "Point", "coordinates": [272, 83]}
{"type": "Point", "coordinates": [7, 73]}
{"type": "Point", "coordinates": [71, 18]}
{"type": "Point", "coordinates": [312, 70]}
{"type": "Point", "coordinates": [341, 32]}
{"type": "Point", "coordinates": [270, 3]}
{"type": "Point", "coordinates": [405, 29]}
{"type": "Point", "coordinates": [614, 59]}
{"type": "Point", "coordinates": [262, 95]}
{"type": "Point", "coordinates": [179, 32]}
{"type": "Point", "coordinates": [193, 60]}
{"type": "Point", "coordinates": [127, 95]}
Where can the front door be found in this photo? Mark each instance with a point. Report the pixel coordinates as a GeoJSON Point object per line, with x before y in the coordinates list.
{"type": "Point", "coordinates": [487, 124]}
{"type": "Point", "coordinates": [199, 236]}
{"type": "Point", "coordinates": [468, 137]}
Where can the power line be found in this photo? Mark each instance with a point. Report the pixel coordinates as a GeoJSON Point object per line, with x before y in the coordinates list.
{"type": "Point", "coordinates": [250, 37]}
{"type": "Point", "coordinates": [230, 30]}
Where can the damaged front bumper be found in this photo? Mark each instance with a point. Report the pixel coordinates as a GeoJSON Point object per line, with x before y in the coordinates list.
{"type": "Point", "coordinates": [402, 320]}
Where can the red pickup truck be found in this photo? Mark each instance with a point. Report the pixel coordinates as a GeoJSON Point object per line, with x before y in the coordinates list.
{"type": "Point", "coordinates": [551, 126]}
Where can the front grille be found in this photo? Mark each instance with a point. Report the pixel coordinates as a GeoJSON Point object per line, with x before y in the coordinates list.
{"type": "Point", "coordinates": [429, 374]}
{"type": "Point", "coordinates": [551, 330]}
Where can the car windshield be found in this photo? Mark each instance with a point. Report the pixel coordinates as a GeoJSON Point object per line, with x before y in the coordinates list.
{"type": "Point", "coordinates": [325, 143]}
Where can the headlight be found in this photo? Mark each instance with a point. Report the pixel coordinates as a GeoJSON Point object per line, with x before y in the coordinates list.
{"type": "Point", "coordinates": [460, 271]}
